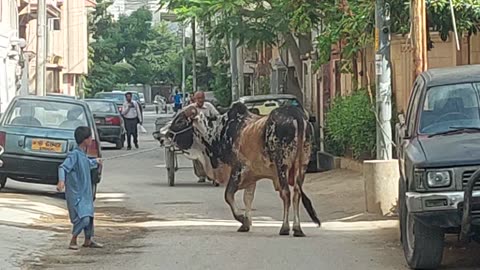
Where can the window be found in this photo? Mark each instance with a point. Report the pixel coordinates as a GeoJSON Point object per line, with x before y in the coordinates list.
{"type": "Point", "coordinates": [413, 107]}
{"type": "Point", "coordinates": [450, 106]}
{"type": "Point", "coordinates": [47, 114]}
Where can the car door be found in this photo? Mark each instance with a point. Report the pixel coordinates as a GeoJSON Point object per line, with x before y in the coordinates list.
{"type": "Point", "coordinates": [406, 131]}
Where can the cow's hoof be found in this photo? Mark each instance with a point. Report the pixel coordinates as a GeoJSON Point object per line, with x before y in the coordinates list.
{"type": "Point", "coordinates": [243, 228]}
{"type": "Point", "coordinates": [298, 233]}
{"type": "Point", "coordinates": [284, 231]}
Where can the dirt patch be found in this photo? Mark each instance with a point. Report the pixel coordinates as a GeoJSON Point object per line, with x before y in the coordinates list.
{"type": "Point", "coordinates": [112, 228]}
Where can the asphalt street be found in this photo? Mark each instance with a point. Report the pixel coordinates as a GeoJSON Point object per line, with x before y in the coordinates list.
{"type": "Point", "coordinates": [145, 224]}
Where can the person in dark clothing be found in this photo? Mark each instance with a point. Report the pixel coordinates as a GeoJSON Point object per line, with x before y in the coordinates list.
{"type": "Point", "coordinates": [178, 101]}
{"type": "Point", "coordinates": [133, 116]}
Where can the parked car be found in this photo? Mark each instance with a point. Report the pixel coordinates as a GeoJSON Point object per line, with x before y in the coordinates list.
{"type": "Point", "coordinates": [35, 135]}
{"type": "Point", "coordinates": [265, 104]}
{"type": "Point", "coordinates": [438, 152]}
{"type": "Point", "coordinates": [60, 95]}
{"type": "Point", "coordinates": [109, 121]}
{"type": "Point", "coordinates": [142, 99]}
{"type": "Point", "coordinates": [118, 97]}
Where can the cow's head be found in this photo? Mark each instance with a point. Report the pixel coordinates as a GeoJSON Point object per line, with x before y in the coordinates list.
{"type": "Point", "coordinates": [189, 129]}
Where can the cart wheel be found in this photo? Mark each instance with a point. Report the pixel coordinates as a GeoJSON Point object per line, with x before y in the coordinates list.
{"type": "Point", "coordinates": [170, 164]}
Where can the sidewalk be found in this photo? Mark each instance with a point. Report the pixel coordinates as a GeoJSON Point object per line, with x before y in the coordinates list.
{"type": "Point", "coordinates": [339, 199]}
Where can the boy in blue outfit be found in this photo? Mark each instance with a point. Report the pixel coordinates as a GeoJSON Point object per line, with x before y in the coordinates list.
{"type": "Point", "coordinates": [74, 176]}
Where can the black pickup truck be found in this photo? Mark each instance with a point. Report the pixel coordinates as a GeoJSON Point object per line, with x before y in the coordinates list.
{"type": "Point", "coordinates": [438, 148]}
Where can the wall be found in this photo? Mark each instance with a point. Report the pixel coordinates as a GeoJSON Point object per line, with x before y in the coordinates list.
{"type": "Point", "coordinates": [444, 54]}
{"type": "Point", "coordinates": [9, 56]}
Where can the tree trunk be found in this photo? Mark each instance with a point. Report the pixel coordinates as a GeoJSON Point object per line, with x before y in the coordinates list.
{"type": "Point", "coordinates": [363, 55]}
{"type": "Point", "coordinates": [295, 52]}
{"type": "Point", "coordinates": [354, 72]}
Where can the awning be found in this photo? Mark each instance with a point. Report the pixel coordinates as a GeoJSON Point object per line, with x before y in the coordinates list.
{"type": "Point", "coordinates": [55, 62]}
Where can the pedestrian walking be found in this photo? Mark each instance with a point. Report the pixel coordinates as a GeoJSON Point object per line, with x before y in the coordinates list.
{"type": "Point", "coordinates": [74, 176]}
{"type": "Point", "coordinates": [133, 116]}
{"type": "Point", "coordinates": [159, 104]}
{"type": "Point", "coordinates": [178, 102]}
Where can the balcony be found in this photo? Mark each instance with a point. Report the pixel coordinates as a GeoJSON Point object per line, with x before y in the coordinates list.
{"type": "Point", "coordinates": [29, 9]}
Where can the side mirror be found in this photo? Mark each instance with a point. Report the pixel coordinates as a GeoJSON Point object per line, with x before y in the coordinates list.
{"type": "Point", "coordinates": [255, 111]}
{"type": "Point", "coordinates": [401, 119]}
{"type": "Point", "coordinates": [312, 119]}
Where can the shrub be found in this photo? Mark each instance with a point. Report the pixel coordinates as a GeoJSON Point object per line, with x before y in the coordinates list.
{"type": "Point", "coordinates": [351, 126]}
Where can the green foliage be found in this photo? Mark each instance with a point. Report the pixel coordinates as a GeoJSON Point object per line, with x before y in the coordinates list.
{"type": "Point", "coordinates": [355, 25]}
{"type": "Point", "coordinates": [131, 51]}
{"type": "Point", "coordinates": [221, 83]}
{"type": "Point", "coordinates": [350, 126]}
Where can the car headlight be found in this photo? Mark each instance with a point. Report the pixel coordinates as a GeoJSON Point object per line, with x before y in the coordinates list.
{"type": "Point", "coordinates": [438, 179]}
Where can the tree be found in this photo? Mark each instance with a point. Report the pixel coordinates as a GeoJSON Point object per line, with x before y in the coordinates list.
{"type": "Point", "coordinates": [130, 51]}
{"type": "Point", "coordinates": [103, 52]}
{"type": "Point", "coordinates": [254, 22]}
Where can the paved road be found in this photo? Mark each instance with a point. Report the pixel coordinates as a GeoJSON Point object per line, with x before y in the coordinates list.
{"type": "Point", "coordinates": [148, 225]}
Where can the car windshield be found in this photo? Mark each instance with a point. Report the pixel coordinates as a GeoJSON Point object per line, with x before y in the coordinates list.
{"type": "Point", "coordinates": [102, 107]}
{"type": "Point", "coordinates": [449, 107]}
{"type": "Point", "coordinates": [48, 114]}
{"type": "Point", "coordinates": [274, 102]}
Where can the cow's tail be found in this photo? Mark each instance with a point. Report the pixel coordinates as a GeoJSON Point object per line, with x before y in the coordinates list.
{"type": "Point", "coordinates": [302, 128]}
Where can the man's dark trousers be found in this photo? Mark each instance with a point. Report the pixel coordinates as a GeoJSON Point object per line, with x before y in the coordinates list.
{"type": "Point", "coordinates": [131, 127]}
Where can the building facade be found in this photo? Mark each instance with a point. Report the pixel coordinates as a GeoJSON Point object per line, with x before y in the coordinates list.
{"type": "Point", "coordinates": [66, 44]}
{"type": "Point", "coordinates": [10, 52]}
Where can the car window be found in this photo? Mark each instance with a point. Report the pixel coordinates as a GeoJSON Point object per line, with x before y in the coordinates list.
{"type": "Point", "coordinates": [48, 114]}
{"type": "Point", "coordinates": [448, 106]}
{"type": "Point", "coordinates": [413, 109]}
{"type": "Point", "coordinates": [102, 107]}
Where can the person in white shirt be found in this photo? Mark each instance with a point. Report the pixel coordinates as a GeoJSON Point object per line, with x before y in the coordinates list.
{"type": "Point", "coordinates": [133, 116]}
{"type": "Point", "coordinates": [203, 106]}
{"type": "Point", "coordinates": [210, 112]}
{"type": "Point", "coordinates": [159, 103]}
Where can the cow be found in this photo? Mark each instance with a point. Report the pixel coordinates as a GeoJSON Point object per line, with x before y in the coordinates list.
{"type": "Point", "coordinates": [240, 148]}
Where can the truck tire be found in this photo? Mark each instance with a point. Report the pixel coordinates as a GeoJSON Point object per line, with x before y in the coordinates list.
{"type": "Point", "coordinates": [3, 181]}
{"type": "Point", "coordinates": [422, 244]}
{"type": "Point", "coordinates": [94, 191]}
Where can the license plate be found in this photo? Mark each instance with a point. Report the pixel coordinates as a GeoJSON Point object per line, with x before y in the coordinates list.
{"type": "Point", "coordinates": [47, 145]}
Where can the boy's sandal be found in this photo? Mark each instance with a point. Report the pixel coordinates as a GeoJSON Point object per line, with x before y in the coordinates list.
{"type": "Point", "coordinates": [93, 245]}
{"type": "Point", "coordinates": [73, 247]}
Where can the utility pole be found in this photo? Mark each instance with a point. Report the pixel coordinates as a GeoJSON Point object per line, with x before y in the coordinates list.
{"type": "Point", "coordinates": [194, 56]}
{"type": "Point", "coordinates": [241, 81]}
{"type": "Point", "coordinates": [234, 68]}
{"type": "Point", "coordinates": [184, 61]}
{"type": "Point", "coordinates": [383, 80]}
{"type": "Point", "coordinates": [419, 35]}
{"type": "Point", "coordinates": [40, 85]}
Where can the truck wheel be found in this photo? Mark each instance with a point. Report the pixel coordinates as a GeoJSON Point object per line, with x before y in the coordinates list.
{"type": "Point", "coordinates": [94, 191]}
{"type": "Point", "coordinates": [422, 244]}
{"type": "Point", "coordinates": [3, 181]}
{"type": "Point", "coordinates": [119, 144]}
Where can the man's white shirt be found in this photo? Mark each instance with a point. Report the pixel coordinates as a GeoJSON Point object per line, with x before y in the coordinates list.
{"type": "Point", "coordinates": [208, 109]}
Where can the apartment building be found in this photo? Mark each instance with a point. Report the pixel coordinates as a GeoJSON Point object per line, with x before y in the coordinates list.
{"type": "Point", "coordinates": [67, 43]}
